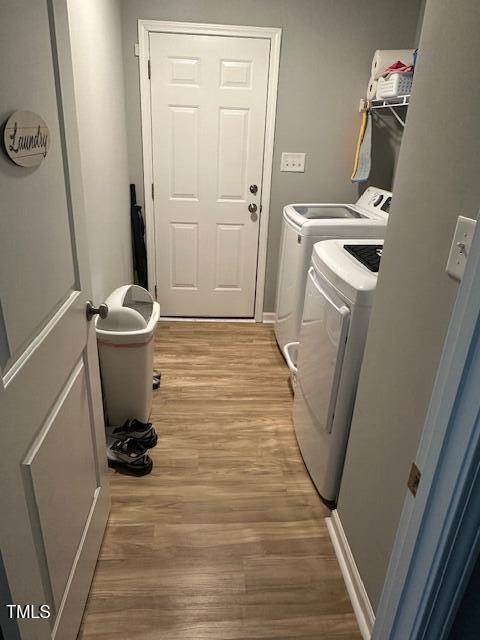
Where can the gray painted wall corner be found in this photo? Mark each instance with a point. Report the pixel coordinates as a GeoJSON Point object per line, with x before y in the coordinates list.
{"type": "Point", "coordinates": [96, 35]}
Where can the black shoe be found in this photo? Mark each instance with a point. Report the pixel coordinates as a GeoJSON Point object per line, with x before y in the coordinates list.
{"type": "Point", "coordinates": [129, 456]}
{"type": "Point", "coordinates": [143, 432]}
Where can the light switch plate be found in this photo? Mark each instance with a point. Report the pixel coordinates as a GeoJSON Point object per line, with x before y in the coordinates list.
{"type": "Point", "coordinates": [462, 240]}
{"type": "Point", "coordinates": [293, 162]}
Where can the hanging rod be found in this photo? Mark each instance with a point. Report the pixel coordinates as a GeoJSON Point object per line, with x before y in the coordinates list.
{"type": "Point", "coordinates": [387, 103]}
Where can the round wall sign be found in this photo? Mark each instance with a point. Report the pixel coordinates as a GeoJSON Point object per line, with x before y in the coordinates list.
{"type": "Point", "coordinates": [26, 138]}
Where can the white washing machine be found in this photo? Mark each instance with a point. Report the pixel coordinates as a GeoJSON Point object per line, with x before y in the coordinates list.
{"type": "Point", "coordinates": [303, 226]}
{"type": "Point", "coordinates": [338, 299]}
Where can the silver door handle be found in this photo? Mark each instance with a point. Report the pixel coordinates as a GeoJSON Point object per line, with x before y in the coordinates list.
{"type": "Point", "coordinates": [252, 207]}
{"type": "Point", "coordinates": [101, 310]}
{"type": "Point", "coordinates": [253, 189]}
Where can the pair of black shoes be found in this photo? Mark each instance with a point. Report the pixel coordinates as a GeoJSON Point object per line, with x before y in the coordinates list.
{"type": "Point", "coordinates": [127, 447]}
{"type": "Point", "coordinates": [157, 378]}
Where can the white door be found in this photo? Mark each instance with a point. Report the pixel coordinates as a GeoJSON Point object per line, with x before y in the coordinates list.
{"type": "Point", "coordinates": [208, 105]}
{"type": "Point", "coordinates": [54, 499]}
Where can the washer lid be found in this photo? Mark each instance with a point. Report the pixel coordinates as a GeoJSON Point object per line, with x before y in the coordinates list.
{"type": "Point", "coordinates": [302, 213]}
{"type": "Point", "coordinates": [347, 274]}
{"type": "Point", "coordinates": [310, 216]}
{"type": "Point", "coordinates": [319, 211]}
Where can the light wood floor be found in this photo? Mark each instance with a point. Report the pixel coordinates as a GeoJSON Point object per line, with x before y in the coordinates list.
{"type": "Point", "coordinates": [225, 540]}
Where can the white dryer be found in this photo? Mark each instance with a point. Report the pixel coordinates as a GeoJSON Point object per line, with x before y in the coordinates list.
{"type": "Point", "coordinates": [303, 226]}
{"type": "Point", "coordinates": [338, 299]}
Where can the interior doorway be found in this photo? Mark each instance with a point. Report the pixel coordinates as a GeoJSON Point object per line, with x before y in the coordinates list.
{"type": "Point", "coordinates": [208, 103]}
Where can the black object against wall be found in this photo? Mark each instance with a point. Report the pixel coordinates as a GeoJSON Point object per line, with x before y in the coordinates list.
{"type": "Point", "coordinates": [467, 619]}
{"type": "Point", "coordinates": [139, 251]}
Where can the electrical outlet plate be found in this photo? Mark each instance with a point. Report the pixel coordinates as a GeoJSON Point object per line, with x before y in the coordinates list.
{"type": "Point", "coordinates": [460, 249]}
{"type": "Point", "coordinates": [293, 162]}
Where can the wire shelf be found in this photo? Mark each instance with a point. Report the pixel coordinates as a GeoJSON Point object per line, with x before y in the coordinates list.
{"type": "Point", "coordinates": [387, 103]}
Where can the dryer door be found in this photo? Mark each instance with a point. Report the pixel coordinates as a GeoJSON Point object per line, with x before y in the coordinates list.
{"type": "Point", "coordinates": [323, 338]}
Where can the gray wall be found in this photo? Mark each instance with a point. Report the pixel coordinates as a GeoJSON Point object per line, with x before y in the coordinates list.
{"type": "Point", "coordinates": [96, 34]}
{"type": "Point", "coordinates": [437, 179]}
{"type": "Point", "coordinates": [327, 48]}
{"type": "Point", "coordinates": [421, 15]}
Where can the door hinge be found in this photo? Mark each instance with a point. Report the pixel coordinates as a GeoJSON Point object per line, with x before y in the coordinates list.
{"type": "Point", "coordinates": [156, 293]}
{"type": "Point", "coordinates": [153, 192]}
{"type": "Point", "coordinates": [414, 479]}
{"type": "Point", "coordinates": [149, 70]}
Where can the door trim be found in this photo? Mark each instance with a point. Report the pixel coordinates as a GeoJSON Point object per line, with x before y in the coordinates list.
{"type": "Point", "coordinates": [274, 35]}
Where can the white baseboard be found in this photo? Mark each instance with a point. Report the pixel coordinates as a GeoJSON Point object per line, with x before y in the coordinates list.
{"type": "Point", "coordinates": [268, 317]}
{"type": "Point", "coordinates": [177, 319]}
{"type": "Point", "coordinates": [356, 590]}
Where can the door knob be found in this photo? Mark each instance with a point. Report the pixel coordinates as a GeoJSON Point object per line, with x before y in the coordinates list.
{"type": "Point", "coordinates": [253, 189]}
{"type": "Point", "coordinates": [252, 207]}
{"type": "Point", "coordinates": [101, 310]}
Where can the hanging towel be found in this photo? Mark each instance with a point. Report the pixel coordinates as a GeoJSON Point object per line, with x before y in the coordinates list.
{"type": "Point", "coordinates": [361, 133]}
{"type": "Point", "coordinates": [363, 154]}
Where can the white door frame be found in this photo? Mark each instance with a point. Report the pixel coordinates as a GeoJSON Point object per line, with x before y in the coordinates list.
{"type": "Point", "coordinates": [437, 540]}
{"type": "Point", "coordinates": [145, 27]}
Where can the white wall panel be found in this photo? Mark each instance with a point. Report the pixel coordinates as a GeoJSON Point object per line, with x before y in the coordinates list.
{"type": "Point", "coordinates": [184, 255]}
{"type": "Point", "coordinates": [184, 71]}
{"type": "Point", "coordinates": [235, 74]}
{"type": "Point", "coordinates": [184, 153]}
{"type": "Point", "coordinates": [61, 470]}
{"type": "Point", "coordinates": [232, 154]}
{"type": "Point", "coordinates": [229, 252]}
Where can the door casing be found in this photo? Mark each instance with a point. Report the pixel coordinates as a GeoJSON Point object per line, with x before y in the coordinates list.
{"type": "Point", "coordinates": [145, 27]}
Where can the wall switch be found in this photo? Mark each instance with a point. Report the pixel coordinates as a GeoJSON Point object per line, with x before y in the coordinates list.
{"type": "Point", "coordinates": [462, 240]}
{"type": "Point", "coordinates": [293, 162]}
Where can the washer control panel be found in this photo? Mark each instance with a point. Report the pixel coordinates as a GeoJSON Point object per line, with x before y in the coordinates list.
{"type": "Point", "coordinates": [375, 199]}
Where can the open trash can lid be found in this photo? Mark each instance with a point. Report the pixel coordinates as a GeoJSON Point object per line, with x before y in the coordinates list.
{"type": "Point", "coordinates": [130, 309]}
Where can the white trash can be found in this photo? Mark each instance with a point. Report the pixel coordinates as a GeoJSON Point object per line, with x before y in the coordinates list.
{"type": "Point", "coordinates": [125, 346]}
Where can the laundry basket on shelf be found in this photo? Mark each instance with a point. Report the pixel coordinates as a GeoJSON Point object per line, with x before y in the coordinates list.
{"type": "Point", "coordinates": [396, 84]}
{"type": "Point", "coordinates": [125, 347]}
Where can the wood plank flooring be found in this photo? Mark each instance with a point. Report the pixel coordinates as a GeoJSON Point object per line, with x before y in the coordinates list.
{"type": "Point", "coordinates": [225, 539]}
